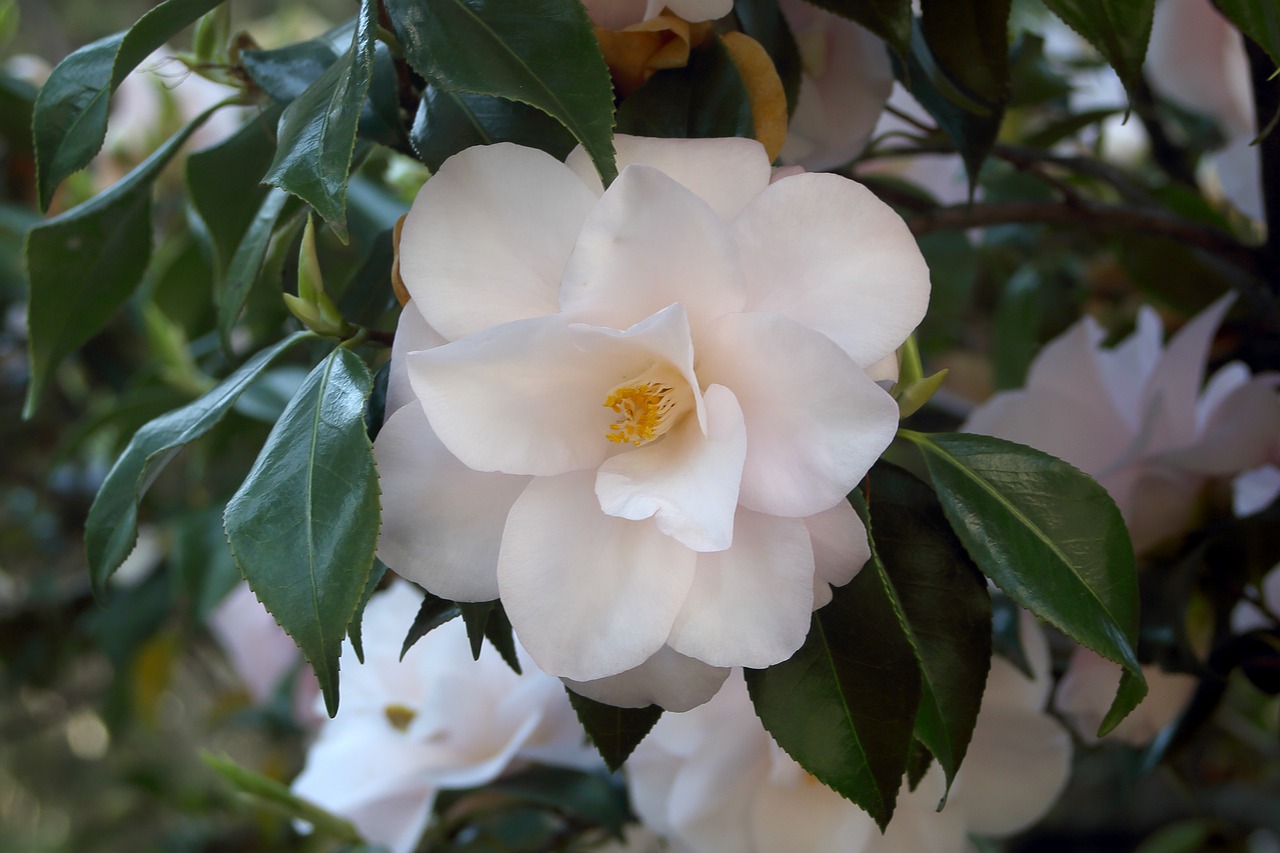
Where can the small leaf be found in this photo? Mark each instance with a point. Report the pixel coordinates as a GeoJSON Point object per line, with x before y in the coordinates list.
{"type": "Point", "coordinates": [269, 790]}
{"type": "Point", "coordinates": [1119, 29]}
{"type": "Point", "coordinates": [1050, 537]}
{"type": "Point", "coordinates": [844, 705]}
{"type": "Point", "coordinates": [433, 613]}
{"type": "Point", "coordinates": [1256, 19]}
{"type": "Point", "coordinates": [112, 526]}
{"type": "Point", "coordinates": [357, 621]}
{"type": "Point", "coordinates": [476, 616]}
{"type": "Point", "coordinates": [500, 635]}
{"type": "Point", "coordinates": [942, 599]}
{"type": "Point", "coordinates": [70, 119]}
{"type": "Point", "coordinates": [616, 732]}
{"type": "Point", "coordinates": [304, 524]}
{"type": "Point", "coordinates": [447, 122]}
{"type": "Point", "coordinates": [889, 19]}
{"type": "Point", "coordinates": [706, 98]}
{"type": "Point", "coordinates": [317, 134]}
{"type": "Point", "coordinates": [969, 39]}
{"type": "Point", "coordinates": [539, 52]}
{"type": "Point", "coordinates": [91, 257]}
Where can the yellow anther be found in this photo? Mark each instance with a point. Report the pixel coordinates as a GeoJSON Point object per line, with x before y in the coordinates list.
{"type": "Point", "coordinates": [647, 406]}
{"type": "Point", "coordinates": [399, 716]}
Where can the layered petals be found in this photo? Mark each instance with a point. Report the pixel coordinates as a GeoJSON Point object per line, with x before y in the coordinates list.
{"type": "Point", "coordinates": [668, 679]}
{"type": "Point", "coordinates": [840, 549]}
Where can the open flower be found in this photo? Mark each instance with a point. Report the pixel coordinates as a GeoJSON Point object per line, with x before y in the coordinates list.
{"type": "Point", "coordinates": [712, 779]}
{"type": "Point", "coordinates": [436, 719]}
{"type": "Point", "coordinates": [634, 414]}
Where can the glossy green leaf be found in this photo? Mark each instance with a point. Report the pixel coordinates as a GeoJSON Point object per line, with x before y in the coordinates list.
{"type": "Point", "coordinates": [591, 797]}
{"type": "Point", "coordinates": [616, 732]}
{"type": "Point", "coordinates": [706, 98]}
{"type": "Point", "coordinates": [17, 101]}
{"type": "Point", "coordinates": [254, 784]}
{"type": "Point", "coordinates": [969, 39]}
{"type": "Point", "coordinates": [889, 19]}
{"type": "Point", "coordinates": [112, 526]}
{"type": "Point", "coordinates": [317, 133]}
{"type": "Point", "coordinates": [476, 616]}
{"type": "Point", "coordinates": [90, 258]}
{"type": "Point", "coordinates": [447, 122]}
{"type": "Point", "coordinates": [487, 619]}
{"type": "Point", "coordinates": [354, 630]}
{"type": "Point", "coordinates": [247, 262]}
{"type": "Point", "coordinates": [1258, 20]}
{"type": "Point", "coordinates": [844, 705]}
{"type": "Point", "coordinates": [286, 72]}
{"type": "Point", "coordinates": [70, 120]}
{"type": "Point", "coordinates": [1050, 537]}
{"type": "Point", "coordinates": [304, 525]}
{"type": "Point", "coordinates": [942, 599]}
{"type": "Point", "coordinates": [764, 22]}
{"type": "Point", "coordinates": [432, 613]}
{"type": "Point", "coordinates": [1119, 29]}
{"type": "Point", "coordinates": [538, 52]}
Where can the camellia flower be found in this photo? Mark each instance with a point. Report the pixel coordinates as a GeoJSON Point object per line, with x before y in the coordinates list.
{"type": "Point", "coordinates": [712, 779]}
{"type": "Point", "coordinates": [634, 414]}
{"type": "Point", "coordinates": [845, 81]}
{"type": "Point", "coordinates": [436, 719]}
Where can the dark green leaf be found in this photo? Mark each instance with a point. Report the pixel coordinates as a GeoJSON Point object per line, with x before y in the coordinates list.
{"type": "Point", "coordinates": [447, 122]}
{"type": "Point", "coordinates": [90, 259]}
{"type": "Point", "coordinates": [70, 119]}
{"type": "Point", "coordinates": [317, 134]}
{"type": "Point", "coordinates": [969, 39]}
{"type": "Point", "coordinates": [500, 635]}
{"type": "Point", "coordinates": [357, 620]}
{"type": "Point", "coordinates": [1017, 327]}
{"type": "Point", "coordinates": [918, 764]}
{"type": "Point", "coordinates": [375, 411]}
{"type": "Point", "coordinates": [1006, 633]}
{"type": "Point", "coordinates": [764, 22]}
{"type": "Point", "coordinates": [539, 52]}
{"type": "Point", "coordinates": [304, 525]}
{"type": "Point", "coordinates": [17, 101]}
{"type": "Point", "coordinates": [286, 72]}
{"type": "Point", "coordinates": [706, 98]}
{"type": "Point", "coordinates": [1050, 537]}
{"type": "Point", "coordinates": [844, 705]}
{"type": "Point", "coordinates": [591, 797]}
{"type": "Point", "coordinates": [1119, 29]}
{"type": "Point", "coordinates": [247, 262]}
{"type": "Point", "coordinates": [269, 790]}
{"type": "Point", "coordinates": [1258, 20]}
{"type": "Point", "coordinates": [200, 561]}
{"type": "Point", "coordinates": [433, 613]}
{"type": "Point", "coordinates": [615, 731]}
{"type": "Point", "coordinates": [112, 525]}
{"type": "Point", "coordinates": [476, 616]}
{"type": "Point", "coordinates": [889, 19]}
{"type": "Point", "coordinates": [942, 599]}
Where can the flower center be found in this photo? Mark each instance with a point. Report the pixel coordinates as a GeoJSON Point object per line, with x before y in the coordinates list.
{"type": "Point", "coordinates": [399, 716]}
{"type": "Point", "coordinates": [647, 406]}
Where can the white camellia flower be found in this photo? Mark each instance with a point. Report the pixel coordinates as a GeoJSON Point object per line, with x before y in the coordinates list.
{"type": "Point", "coordinates": [712, 779]}
{"type": "Point", "coordinates": [634, 414]}
{"type": "Point", "coordinates": [620, 14]}
{"type": "Point", "coordinates": [437, 719]}
{"type": "Point", "coordinates": [845, 80]}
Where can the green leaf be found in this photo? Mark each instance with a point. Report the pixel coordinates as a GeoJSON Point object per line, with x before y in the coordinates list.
{"type": "Point", "coordinates": [278, 795]}
{"type": "Point", "coordinates": [1017, 327]}
{"type": "Point", "coordinates": [112, 526]}
{"type": "Point", "coordinates": [942, 599]}
{"type": "Point", "coordinates": [1050, 537]}
{"type": "Point", "coordinates": [1258, 20]}
{"type": "Point", "coordinates": [448, 122]}
{"type": "Point", "coordinates": [616, 732]}
{"type": "Point", "coordinates": [304, 525]}
{"type": "Point", "coordinates": [90, 259]}
{"type": "Point", "coordinates": [590, 797]}
{"type": "Point", "coordinates": [357, 620]}
{"type": "Point", "coordinates": [1119, 29]}
{"type": "Point", "coordinates": [706, 98]}
{"type": "Point", "coordinates": [539, 52]}
{"type": "Point", "coordinates": [286, 72]}
{"type": "Point", "coordinates": [17, 101]}
{"type": "Point", "coordinates": [844, 705]}
{"type": "Point", "coordinates": [488, 619]}
{"type": "Point", "coordinates": [476, 616]}
{"type": "Point", "coordinates": [70, 120]}
{"type": "Point", "coordinates": [969, 39]}
{"type": "Point", "coordinates": [764, 22]}
{"type": "Point", "coordinates": [317, 133]}
{"type": "Point", "coordinates": [433, 613]}
{"type": "Point", "coordinates": [889, 19]}
{"type": "Point", "coordinates": [247, 262]}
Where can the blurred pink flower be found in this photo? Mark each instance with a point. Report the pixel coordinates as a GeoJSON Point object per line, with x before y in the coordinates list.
{"type": "Point", "coordinates": [1084, 696]}
{"type": "Point", "coordinates": [620, 14]}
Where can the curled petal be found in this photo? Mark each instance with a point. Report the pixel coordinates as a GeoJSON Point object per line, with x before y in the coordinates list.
{"type": "Point", "coordinates": [594, 603]}
{"type": "Point", "coordinates": [815, 422]}
{"type": "Point", "coordinates": [1175, 383]}
{"type": "Point", "coordinates": [441, 521]}
{"type": "Point", "coordinates": [668, 679]}
{"type": "Point", "coordinates": [487, 239]}
{"type": "Point", "coordinates": [412, 334]}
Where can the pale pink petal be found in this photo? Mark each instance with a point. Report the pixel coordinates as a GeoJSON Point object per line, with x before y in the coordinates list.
{"type": "Point", "coordinates": [1247, 617]}
{"type": "Point", "coordinates": [667, 679]}
{"type": "Point", "coordinates": [488, 236]}
{"type": "Point", "coordinates": [692, 10]}
{"type": "Point", "coordinates": [1197, 59]}
{"type": "Point", "coordinates": [827, 253]}
{"type": "Point", "coordinates": [615, 14]}
{"type": "Point", "coordinates": [840, 549]}
{"type": "Point", "coordinates": [918, 826]}
{"type": "Point", "coordinates": [807, 817]}
{"type": "Point", "coordinates": [712, 796]}
{"type": "Point", "coordinates": [1084, 694]}
{"type": "Point", "coordinates": [1126, 367]}
{"type": "Point", "coordinates": [412, 334]}
{"type": "Point", "coordinates": [1161, 504]}
{"type": "Point", "coordinates": [523, 398]}
{"type": "Point", "coordinates": [594, 603]}
{"type": "Point", "coordinates": [725, 173]}
{"type": "Point", "coordinates": [1175, 383]}
{"type": "Point", "coordinates": [686, 482]}
{"type": "Point", "coordinates": [1009, 687]}
{"type": "Point", "coordinates": [750, 605]}
{"type": "Point", "coordinates": [1241, 433]}
{"type": "Point", "coordinates": [259, 650]}
{"type": "Point", "coordinates": [648, 243]}
{"type": "Point", "coordinates": [886, 369]}
{"type": "Point", "coordinates": [1240, 173]}
{"type": "Point", "coordinates": [815, 422]}
{"type": "Point", "coordinates": [1253, 491]}
{"type": "Point", "coordinates": [441, 521]}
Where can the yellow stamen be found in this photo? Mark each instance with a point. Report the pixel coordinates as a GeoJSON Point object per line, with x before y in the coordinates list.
{"type": "Point", "coordinates": [399, 716]}
{"type": "Point", "coordinates": [647, 406]}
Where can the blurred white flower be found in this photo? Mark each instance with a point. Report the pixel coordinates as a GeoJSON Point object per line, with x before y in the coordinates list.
{"type": "Point", "coordinates": [1084, 696]}
{"type": "Point", "coordinates": [437, 719]}
{"type": "Point", "coordinates": [712, 779]}
{"type": "Point", "coordinates": [845, 80]}
{"type": "Point", "coordinates": [634, 414]}
{"type": "Point", "coordinates": [620, 14]}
